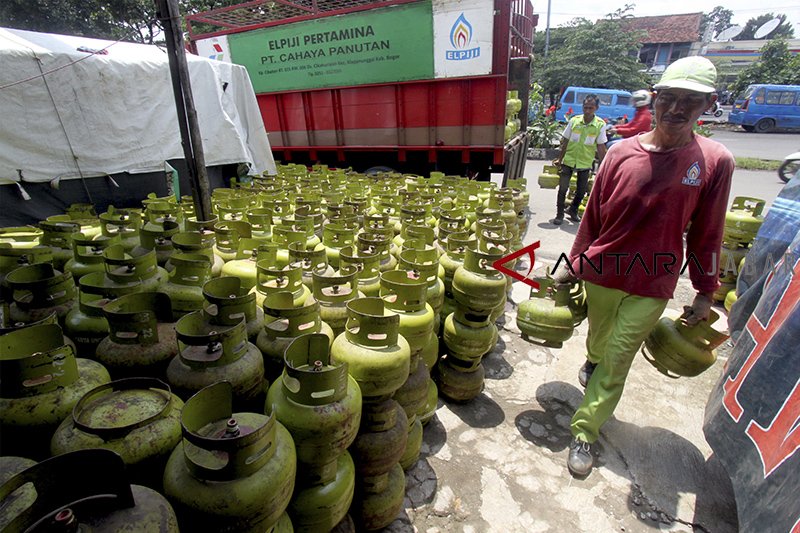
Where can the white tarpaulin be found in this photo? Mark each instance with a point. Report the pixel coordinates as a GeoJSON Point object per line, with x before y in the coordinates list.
{"type": "Point", "coordinates": [115, 110]}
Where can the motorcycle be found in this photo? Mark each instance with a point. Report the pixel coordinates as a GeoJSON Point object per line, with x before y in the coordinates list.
{"type": "Point", "coordinates": [715, 110]}
{"type": "Point", "coordinates": [790, 167]}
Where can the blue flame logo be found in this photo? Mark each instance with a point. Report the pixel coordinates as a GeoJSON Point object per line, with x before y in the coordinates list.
{"type": "Point", "coordinates": [461, 32]}
{"type": "Point", "coordinates": [692, 176]}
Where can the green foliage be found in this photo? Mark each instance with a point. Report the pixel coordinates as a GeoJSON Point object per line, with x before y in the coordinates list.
{"type": "Point", "coordinates": [130, 20]}
{"type": "Point", "coordinates": [701, 128]}
{"type": "Point", "coordinates": [752, 163]}
{"type": "Point", "coordinates": [777, 65]}
{"type": "Point", "coordinates": [784, 29]}
{"type": "Point", "coordinates": [719, 18]}
{"type": "Point", "coordinates": [593, 55]}
{"type": "Point", "coordinates": [543, 130]}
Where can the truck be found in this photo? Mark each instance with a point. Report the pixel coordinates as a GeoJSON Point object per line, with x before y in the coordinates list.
{"type": "Point", "coordinates": [408, 85]}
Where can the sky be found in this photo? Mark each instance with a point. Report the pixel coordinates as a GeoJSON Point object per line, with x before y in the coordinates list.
{"type": "Point", "coordinates": [562, 11]}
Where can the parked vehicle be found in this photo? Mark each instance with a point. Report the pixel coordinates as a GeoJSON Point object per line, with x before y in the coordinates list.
{"type": "Point", "coordinates": [789, 167]}
{"type": "Point", "coordinates": [765, 107]}
{"type": "Point", "coordinates": [613, 103]}
{"type": "Point", "coordinates": [715, 110]}
{"type": "Point", "coordinates": [416, 86]}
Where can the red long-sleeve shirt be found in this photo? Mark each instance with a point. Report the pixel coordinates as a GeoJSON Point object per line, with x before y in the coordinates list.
{"type": "Point", "coordinates": [642, 122]}
{"type": "Point", "coordinates": [639, 208]}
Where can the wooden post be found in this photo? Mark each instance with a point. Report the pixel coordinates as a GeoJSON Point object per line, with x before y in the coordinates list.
{"type": "Point", "coordinates": [169, 15]}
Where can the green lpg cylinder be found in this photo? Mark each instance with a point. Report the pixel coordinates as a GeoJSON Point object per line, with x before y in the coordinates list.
{"type": "Point", "coordinates": [378, 357]}
{"type": "Point", "coordinates": [165, 213]}
{"type": "Point", "coordinates": [14, 258]}
{"type": "Point", "coordinates": [37, 290]}
{"type": "Point", "coordinates": [413, 445]}
{"type": "Point", "coordinates": [87, 220]}
{"type": "Point", "coordinates": [379, 243]}
{"type": "Point", "coordinates": [209, 353]}
{"type": "Point", "coordinates": [185, 284]}
{"type": "Point", "coordinates": [380, 499]}
{"type": "Point", "coordinates": [468, 336]}
{"type": "Point", "coordinates": [71, 497]}
{"type": "Point", "coordinates": [58, 236]}
{"type": "Point", "coordinates": [21, 237]}
{"type": "Point", "coordinates": [404, 293]}
{"type": "Point", "coordinates": [547, 316]}
{"type": "Point", "coordinates": [229, 302]}
{"type": "Point", "coordinates": [477, 286]}
{"type": "Point", "coordinates": [233, 472]}
{"type": "Point", "coordinates": [271, 278]}
{"type": "Point", "coordinates": [228, 233]}
{"type": "Point", "coordinates": [19, 500]}
{"type": "Point", "coordinates": [158, 237]}
{"type": "Point", "coordinates": [250, 252]}
{"type": "Point", "coordinates": [731, 255]}
{"type": "Point", "coordinates": [457, 245]}
{"type": "Point", "coordinates": [122, 223]}
{"type": "Point", "coordinates": [549, 178]}
{"type": "Point", "coordinates": [320, 405]}
{"type": "Point", "coordinates": [197, 242]}
{"type": "Point", "coordinates": [333, 293]}
{"type": "Point", "coordinates": [336, 236]}
{"type": "Point", "coordinates": [412, 396]}
{"type": "Point", "coordinates": [86, 324]}
{"type": "Point", "coordinates": [310, 261]}
{"type": "Point", "coordinates": [141, 339]}
{"type": "Point", "coordinates": [577, 302]}
{"type": "Point", "coordinates": [42, 382]}
{"type": "Point", "coordinates": [382, 438]}
{"type": "Point", "coordinates": [676, 349]}
{"type": "Point", "coordinates": [138, 418]}
{"type": "Point", "coordinates": [743, 220]}
{"type": "Point", "coordinates": [431, 403]}
{"type": "Point", "coordinates": [284, 322]}
{"type": "Point", "coordinates": [459, 381]}
{"type": "Point", "coordinates": [87, 254]}
{"type": "Point", "coordinates": [285, 236]}
{"type": "Point", "coordinates": [730, 299]}
{"type": "Point", "coordinates": [260, 220]}
{"type": "Point", "coordinates": [425, 264]}
{"type": "Point", "coordinates": [368, 265]}
{"type": "Point", "coordinates": [320, 507]}
{"type": "Point", "coordinates": [140, 265]}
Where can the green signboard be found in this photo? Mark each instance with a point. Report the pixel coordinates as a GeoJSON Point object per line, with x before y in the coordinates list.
{"type": "Point", "coordinates": [376, 46]}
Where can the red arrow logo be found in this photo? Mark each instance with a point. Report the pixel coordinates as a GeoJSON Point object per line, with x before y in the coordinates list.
{"type": "Point", "coordinates": [499, 264]}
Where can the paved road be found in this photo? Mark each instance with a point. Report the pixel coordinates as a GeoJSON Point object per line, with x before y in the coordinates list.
{"type": "Point", "coordinates": [761, 145]}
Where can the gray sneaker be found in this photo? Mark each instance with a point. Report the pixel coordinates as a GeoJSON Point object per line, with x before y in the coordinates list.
{"type": "Point", "coordinates": [558, 220]}
{"type": "Point", "coordinates": [573, 215]}
{"type": "Point", "coordinates": [580, 458]}
{"type": "Point", "coordinates": [585, 373]}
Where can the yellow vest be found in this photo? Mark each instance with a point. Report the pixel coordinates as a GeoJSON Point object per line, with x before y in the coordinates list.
{"type": "Point", "coordinates": [582, 144]}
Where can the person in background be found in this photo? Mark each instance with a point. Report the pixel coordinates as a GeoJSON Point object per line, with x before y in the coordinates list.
{"type": "Point", "coordinates": [582, 139]}
{"type": "Point", "coordinates": [648, 190]}
{"type": "Point", "coordinates": [642, 120]}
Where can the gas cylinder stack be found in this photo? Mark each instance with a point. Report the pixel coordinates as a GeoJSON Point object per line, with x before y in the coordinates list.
{"type": "Point", "coordinates": [513, 107]}
{"type": "Point", "coordinates": [742, 222]}
{"type": "Point", "coordinates": [548, 179]}
{"type": "Point", "coordinates": [305, 332]}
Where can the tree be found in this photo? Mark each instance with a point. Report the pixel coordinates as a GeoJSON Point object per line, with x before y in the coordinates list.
{"type": "Point", "coordinates": [593, 55]}
{"type": "Point", "coordinates": [129, 20]}
{"type": "Point", "coordinates": [776, 65]}
{"type": "Point", "coordinates": [784, 29]}
{"type": "Point", "coordinates": [719, 18]}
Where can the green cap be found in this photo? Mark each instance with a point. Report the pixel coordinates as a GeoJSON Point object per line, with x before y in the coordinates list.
{"type": "Point", "coordinates": [694, 73]}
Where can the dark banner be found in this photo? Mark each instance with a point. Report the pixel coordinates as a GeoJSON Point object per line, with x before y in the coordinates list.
{"type": "Point", "coordinates": [753, 415]}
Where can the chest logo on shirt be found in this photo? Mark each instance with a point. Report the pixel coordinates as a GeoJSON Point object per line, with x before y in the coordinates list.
{"type": "Point", "coordinates": [692, 176]}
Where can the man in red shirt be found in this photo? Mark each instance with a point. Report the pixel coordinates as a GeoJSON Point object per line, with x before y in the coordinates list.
{"type": "Point", "coordinates": [629, 247]}
{"type": "Point", "coordinates": [642, 119]}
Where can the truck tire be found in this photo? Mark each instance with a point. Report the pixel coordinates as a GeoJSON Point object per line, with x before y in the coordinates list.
{"type": "Point", "coordinates": [748, 129]}
{"type": "Point", "coordinates": [764, 125]}
{"type": "Point", "coordinates": [374, 170]}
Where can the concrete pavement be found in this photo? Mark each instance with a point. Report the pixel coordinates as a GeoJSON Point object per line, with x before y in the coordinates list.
{"type": "Point", "coordinates": [498, 463]}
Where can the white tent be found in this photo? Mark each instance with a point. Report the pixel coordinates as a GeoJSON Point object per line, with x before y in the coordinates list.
{"type": "Point", "coordinates": [114, 111]}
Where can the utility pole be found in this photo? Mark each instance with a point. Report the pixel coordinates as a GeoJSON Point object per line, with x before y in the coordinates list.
{"type": "Point", "coordinates": [547, 31]}
{"type": "Point", "coordinates": [168, 14]}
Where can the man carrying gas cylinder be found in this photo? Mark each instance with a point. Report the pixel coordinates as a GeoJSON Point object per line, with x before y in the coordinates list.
{"type": "Point", "coordinates": [648, 190]}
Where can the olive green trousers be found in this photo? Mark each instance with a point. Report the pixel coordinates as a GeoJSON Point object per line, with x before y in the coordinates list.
{"type": "Point", "coordinates": [618, 324]}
